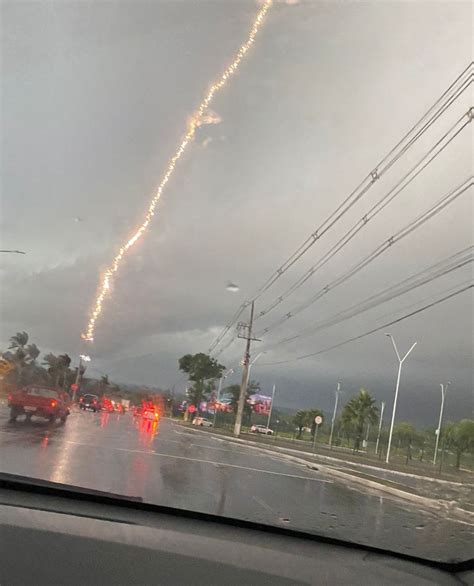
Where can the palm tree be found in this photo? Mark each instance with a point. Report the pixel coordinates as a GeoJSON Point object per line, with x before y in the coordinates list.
{"type": "Point", "coordinates": [53, 367]}
{"type": "Point", "coordinates": [33, 352]}
{"type": "Point", "coordinates": [19, 340]}
{"type": "Point", "coordinates": [58, 367]}
{"type": "Point", "coordinates": [19, 358]}
{"type": "Point", "coordinates": [64, 364]}
{"type": "Point", "coordinates": [357, 412]}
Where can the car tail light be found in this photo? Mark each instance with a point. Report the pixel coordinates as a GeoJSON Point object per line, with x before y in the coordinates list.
{"type": "Point", "coordinates": [53, 403]}
{"type": "Point", "coordinates": [10, 397]}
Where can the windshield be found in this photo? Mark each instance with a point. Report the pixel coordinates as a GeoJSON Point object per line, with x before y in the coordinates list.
{"type": "Point", "coordinates": [238, 235]}
{"type": "Point", "coordinates": [38, 392]}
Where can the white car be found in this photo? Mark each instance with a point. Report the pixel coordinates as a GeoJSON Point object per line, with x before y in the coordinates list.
{"type": "Point", "coordinates": [202, 422]}
{"type": "Point", "coordinates": [261, 429]}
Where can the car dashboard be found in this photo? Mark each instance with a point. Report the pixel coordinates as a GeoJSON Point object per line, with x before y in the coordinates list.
{"type": "Point", "coordinates": [56, 535]}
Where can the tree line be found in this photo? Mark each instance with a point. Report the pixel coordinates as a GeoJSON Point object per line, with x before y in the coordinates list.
{"type": "Point", "coordinates": [361, 412]}
{"type": "Point", "coordinates": [358, 414]}
{"type": "Point", "coordinates": [53, 370]}
{"type": "Point", "coordinates": [23, 357]}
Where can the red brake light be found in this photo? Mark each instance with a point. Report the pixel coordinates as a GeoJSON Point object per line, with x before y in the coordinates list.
{"type": "Point", "coordinates": [53, 403]}
{"type": "Point", "coordinates": [10, 397]}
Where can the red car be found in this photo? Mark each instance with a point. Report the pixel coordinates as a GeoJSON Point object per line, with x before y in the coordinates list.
{"type": "Point", "coordinates": [147, 411]}
{"type": "Point", "coordinates": [137, 411]}
{"type": "Point", "coordinates": [150, 413]}
{"type": "Point", "coordinates": [107, 405]}
{"type": "Point", "coordinates": [40, 401]}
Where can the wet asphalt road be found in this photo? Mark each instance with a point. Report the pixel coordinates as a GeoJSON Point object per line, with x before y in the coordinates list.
{"type": "Point", "coordinates": [171, 465]}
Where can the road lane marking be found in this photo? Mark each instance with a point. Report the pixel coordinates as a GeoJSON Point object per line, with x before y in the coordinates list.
{"type": "Point", "coordinates": [248, 453]}
{"type": "Point", "coordinates": [200, 461]}
{"type": "Point", "coordinates": [154, 453]}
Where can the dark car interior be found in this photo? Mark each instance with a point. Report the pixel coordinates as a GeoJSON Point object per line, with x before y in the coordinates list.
{"type": "Point", "coordinates": [55, 534]}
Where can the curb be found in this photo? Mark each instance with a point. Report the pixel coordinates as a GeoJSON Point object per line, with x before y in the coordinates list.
{"type": "Point", "coordinates": [374, 486]}
{"type": "Point", "coordinates": [336, 461]}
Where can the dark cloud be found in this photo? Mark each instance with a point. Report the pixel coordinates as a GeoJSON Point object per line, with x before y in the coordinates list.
{"type": "Point", "coordinates": [96, 98]}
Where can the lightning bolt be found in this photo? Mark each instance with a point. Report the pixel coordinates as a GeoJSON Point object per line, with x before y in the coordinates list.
{"type": "Point", "coordinates": [199, 117]}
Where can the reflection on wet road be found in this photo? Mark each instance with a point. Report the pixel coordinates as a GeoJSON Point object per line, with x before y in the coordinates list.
{"type": "Point", "coordinates": [167, 464]}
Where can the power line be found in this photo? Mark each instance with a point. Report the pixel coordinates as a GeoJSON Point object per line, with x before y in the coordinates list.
{"type": "Point", "coordinates": [440, 269]}
{"type": "Point", "coordinates": [440, 145]}
{"type": "Point", "coordinates": [428, 298]}
{"type": "Point", "coordinates": [458, 86]}
{"type": "Point", "coordinates": [372, 177]}
{"type": "Point", "coordinates": [410, 176]}
{"type": "Point", "coordinates": [386, 244]}
{"type": "Point", "coordinates": [377, 329]}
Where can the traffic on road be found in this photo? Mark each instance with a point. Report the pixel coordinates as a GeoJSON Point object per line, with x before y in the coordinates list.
{"type": "Point", "coordinates": [166, 462]}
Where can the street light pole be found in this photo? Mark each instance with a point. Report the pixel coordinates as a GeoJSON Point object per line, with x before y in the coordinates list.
{"type": "Point", "coordinates": [380, 427]}
{"type": "Point", "coordinates": [219, 389]}
{"type": "Point", "coordinates": [338, 390]}
{"type": "Point", "coordinates": [400, 364]}
{"type": "Point", "coordinates": [444, 388]}
{"type": "Point", "coordinates": [82, 358]}
{"type": "Point", "coordinates": [254, 361]}
{"type": "Point", "coordinates": [271, 408]}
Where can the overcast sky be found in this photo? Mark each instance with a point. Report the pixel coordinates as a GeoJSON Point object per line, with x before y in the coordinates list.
{"type": "Point", "coordinates": [95, 100]}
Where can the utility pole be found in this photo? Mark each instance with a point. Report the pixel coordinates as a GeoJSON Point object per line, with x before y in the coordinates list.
{"type": "Point", "coordinates": [338, 390]}
{"type": "Point", "coordinates": [246, 334]}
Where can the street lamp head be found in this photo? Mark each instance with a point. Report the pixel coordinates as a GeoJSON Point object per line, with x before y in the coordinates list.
{"type": "Point", "coordinates": [387, 334]}
{"type": "Point", "coordinates": [232, 287]}
{"type": "Point", "coordinates": [85, 357]}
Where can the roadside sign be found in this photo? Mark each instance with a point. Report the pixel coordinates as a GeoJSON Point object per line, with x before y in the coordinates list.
{"type": "Point", "coordinates": [192, 408]}
{"type": "Point", "coordinates": [74, 387]}
{"type": "Point", "coordinates": [318, 420]}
